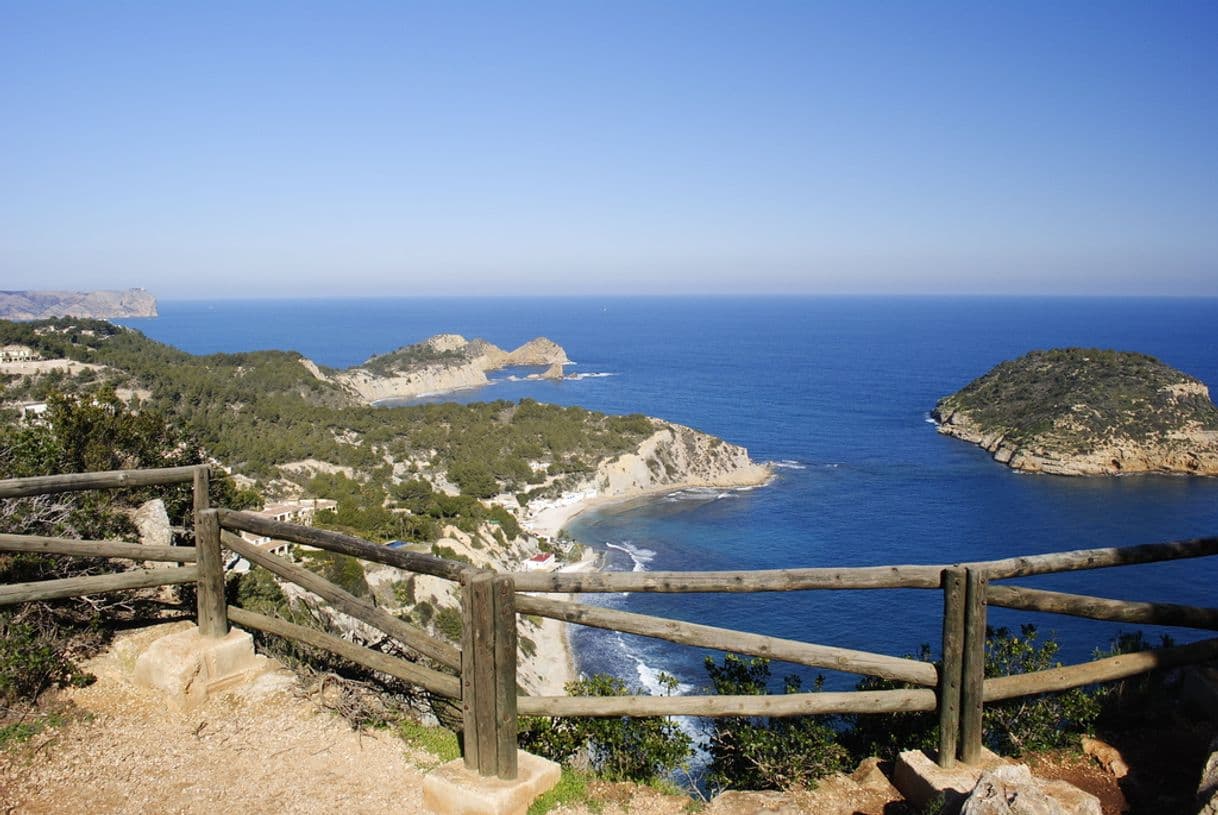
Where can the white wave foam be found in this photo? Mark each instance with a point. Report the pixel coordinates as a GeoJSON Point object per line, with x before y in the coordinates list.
{"type": "Point", "coordinates": [590, 375]}
{"type": "Point", "coordinates": [638, 555]}
{"type": "Point", "coordinates": [927, 418]}
{"type": "Point", "coordinates": [788, 464]}
{"type": "Point", "coordinates": [649, 678]}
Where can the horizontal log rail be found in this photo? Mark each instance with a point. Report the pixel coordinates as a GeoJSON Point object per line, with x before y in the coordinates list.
{"type": "Point", "coordinates": [37, 544]}
{"type": "Point", "coordinates": [1100, 608]}
{"type": "Point", "coordinates": [440, 684]}
{"type": "Point", "coordinates": [724, 639]}
{"type": "Point", "coordinates": [787, 704]}
{"type": "Point", "coordinates": [94, 584]}
{"type": "Point", "coordinates": [1108, 669]}
{"type": "Point", "coordinates": [862, 577]}
{"type": "Point", "coordinates": [344, 545]}
{"type": "Point", "coordinates": [112, 479]}
{"type": "Point", "coordinates": [1082, 559]}
{"type": "Point", "coordinates": [345, 602]}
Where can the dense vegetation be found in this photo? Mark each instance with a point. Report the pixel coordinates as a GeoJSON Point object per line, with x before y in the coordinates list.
{"type": "Point", "coordinates": [1078, 396]}
{"type": "Point", "coordinates": [257, 410]}
{"type": "Point", "coordinates": [416, 356]}
{"type": "Point", "coordinates": [762, 753]}
{"type": "Point", "coordinates": [38, 639]}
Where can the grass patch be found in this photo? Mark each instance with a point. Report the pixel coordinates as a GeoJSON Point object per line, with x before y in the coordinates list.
{"type": "Point", "coordinates": [572, 788]}
{"type": "Point", "coordinates": [21, 731]}
{"type": "Point", "coordinates": [438, 741]}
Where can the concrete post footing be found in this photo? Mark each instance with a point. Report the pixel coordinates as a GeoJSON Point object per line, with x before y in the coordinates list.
{"type": "Point", "coordinates": [189, 667]}
{"type": "Point", "coordinates": [924, 783]}
{"type": "Point", "coordinates": [452, 789]}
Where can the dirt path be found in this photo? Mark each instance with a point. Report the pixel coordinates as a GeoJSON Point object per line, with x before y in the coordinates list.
{"type": "Point", "coordinates": [259, 749]}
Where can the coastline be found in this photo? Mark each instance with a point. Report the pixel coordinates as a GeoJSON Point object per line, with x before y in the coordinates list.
{"type": "Point", "coordinates": [548, 518]}
{"type": "Point", "coordinates": [555, 659]}
{"type": "Point", "coordinates": [554, 662]}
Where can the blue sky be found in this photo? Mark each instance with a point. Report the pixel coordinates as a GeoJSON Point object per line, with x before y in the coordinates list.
{"type": "Point", "coordinates": [320, 149]}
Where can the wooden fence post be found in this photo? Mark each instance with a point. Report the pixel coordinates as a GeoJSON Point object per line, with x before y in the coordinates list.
{"type": "Point", "coordinates": [212, 610]}
{"type": "Point", "coordinates": [953, 664]}
{"type": "Point", "coordinates": [202, 481]}
{"type": "Point", "coordinates": [973, 683]}
{"type": "Point", "coordinates": [488, 674]}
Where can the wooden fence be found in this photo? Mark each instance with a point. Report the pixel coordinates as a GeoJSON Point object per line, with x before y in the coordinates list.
{"type": "Point", "coordinates": [481, 674]}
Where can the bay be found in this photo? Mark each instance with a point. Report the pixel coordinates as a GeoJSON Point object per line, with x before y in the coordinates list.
{"type": "Point", "coordinates": [835, 389]}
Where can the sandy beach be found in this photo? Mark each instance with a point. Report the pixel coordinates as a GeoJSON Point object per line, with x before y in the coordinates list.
{"type": "Point", "coordinates": [553, 666]}
{"type": "Point", "coordinates": [547, 518]}
{"type": "Point", "coordinates": [554, 662]}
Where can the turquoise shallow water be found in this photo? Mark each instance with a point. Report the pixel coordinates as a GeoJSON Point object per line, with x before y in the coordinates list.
{"type": "Point", "coordinates": [837, 391]}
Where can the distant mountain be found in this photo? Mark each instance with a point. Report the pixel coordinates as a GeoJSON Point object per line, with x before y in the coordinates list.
{"type": "Point", "coordinates": [101, 305]}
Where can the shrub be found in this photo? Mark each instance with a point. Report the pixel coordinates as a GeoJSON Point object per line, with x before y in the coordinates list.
{"type": "Point", "coordinates": [760, 753]}
{"type": "Point", "coordinates": [619, 749]}
{"type": "Point", "coordinates": [1034, 722]}
{"type": "Point", "coordinates": [448, 623]}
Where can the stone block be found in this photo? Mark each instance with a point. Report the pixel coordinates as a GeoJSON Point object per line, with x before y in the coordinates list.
{"type": "Point", "coordinates": [452, 789]}
{"type": "Point", "coordinates": [189, 667]}
{"type": "Point", "coordinates": [922, 781]}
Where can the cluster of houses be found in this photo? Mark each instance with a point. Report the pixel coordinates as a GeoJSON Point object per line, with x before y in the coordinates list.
{"type": "Point", "coordinates": [18, 353]}
{"type": "Point", "coordinates": [300, 511]}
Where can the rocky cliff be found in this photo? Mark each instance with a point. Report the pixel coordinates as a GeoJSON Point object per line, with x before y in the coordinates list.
{"type": "Point", "coordinates": [445, 362]}
{"type": "Point", "coordinates": [1078, 411]}
{"type": "Point", "coordinates": [677, 456]}
{"type": "Point", "coordinates": [101, 305]}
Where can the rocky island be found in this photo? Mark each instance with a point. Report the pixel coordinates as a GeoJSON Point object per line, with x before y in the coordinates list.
{"type": "Point", "coordinates": [1085, 411]}
{"type": "Point", "coordinates": [100, 305]}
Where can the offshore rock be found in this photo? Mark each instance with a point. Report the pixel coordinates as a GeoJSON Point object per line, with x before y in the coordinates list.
{"type": "Point", "coordinates": [1078, 411]}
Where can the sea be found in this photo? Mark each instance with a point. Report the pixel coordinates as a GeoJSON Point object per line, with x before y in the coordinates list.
{"type": "Point", "coordinates": [835, 392]}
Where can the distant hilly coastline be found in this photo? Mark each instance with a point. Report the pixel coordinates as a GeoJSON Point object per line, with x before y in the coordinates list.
{"type": "Point", "coordinates": [1087, 411]}
{"type": "Point", "coordinates": [98, 305]}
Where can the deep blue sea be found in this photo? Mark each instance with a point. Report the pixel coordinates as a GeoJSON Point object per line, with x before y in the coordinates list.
{"type": "Point", "coordinates": [837, 391]}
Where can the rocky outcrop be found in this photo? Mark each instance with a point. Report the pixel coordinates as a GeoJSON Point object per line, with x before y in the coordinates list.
{"type": "Point", "coordinates": [1087, 412]}
{"type": "Point", "coordinates": [539, 351]}
{"type": "Point", "coordinates": [424, 381]}
{"type": "Point", "coordinates": [1013, 790]}
{"type": "Point", "coordinates": [443, 363]}
{"type": "Point", "coordinates": [676, 456]}
{"type": "Point", "coordinates": [101, 305]}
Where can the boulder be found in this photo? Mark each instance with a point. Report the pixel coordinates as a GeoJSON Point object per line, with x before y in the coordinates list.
{"type": "Point", "coordinates": [1207, 789]}
{"type": "Point", "coordinates": [1013, 790]}
{"type": "Point", "coordinates": [1106, 755]}
{"type": "Point", "coordinates": [152, 522]}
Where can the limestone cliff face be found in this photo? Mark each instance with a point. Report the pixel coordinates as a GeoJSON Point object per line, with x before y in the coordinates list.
{"type": "Point", "coordinates": [445, 362]}
{"type": "Point", "coordinates": [100, 305]}
{"type": "Point", "coordinates": [424, 380]}
{"type": "Point", "coordinates": [539, 351]}
{"type": "Point", "coordinates": [676, 456]}
{"type": "Point", "coordinates": [1087, 412]}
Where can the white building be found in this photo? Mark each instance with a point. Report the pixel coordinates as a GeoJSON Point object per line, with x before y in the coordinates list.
{"type": "Point", "coordinates": [18, 353]}
{"type": "Point", "coordinates": [540, 562]}
{"type": "Point", "coordinates": [298, 512]}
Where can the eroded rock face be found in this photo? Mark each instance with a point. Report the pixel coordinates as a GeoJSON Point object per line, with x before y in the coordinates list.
{"type": "Point", "coordinates": [675, 456]}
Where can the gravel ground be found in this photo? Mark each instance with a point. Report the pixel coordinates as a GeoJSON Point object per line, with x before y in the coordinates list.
{"type": "Point", "coordinates": [259, 749]}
